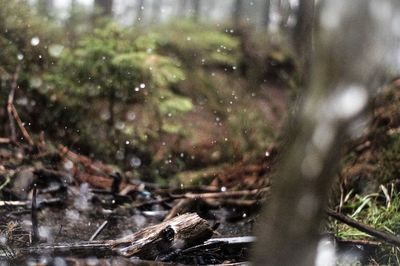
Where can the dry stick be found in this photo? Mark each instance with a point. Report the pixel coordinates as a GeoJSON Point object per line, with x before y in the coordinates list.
{"type": "Point", "coordinates": [187, 200]}
{"type": "Point", "coordinates": [12, 112]}
{"type": "Point", "coordinates": [5, 140]}
{"type": "Point", "coordinates": [224, 194]}
{"type": "Point", "coordinates": [387, 237]}
{"type": "Point", "coordinates": [21, 125]}
{"type": "Point", "coordinates": [35, 224]}
{"type": "Point", "coordinates": [98, 231]}
{"type": "Point", "coordinates": [5, 203]}
{"type": "Point", "coordinates": [183, 205]}
{"type": "Point", "coordinates": [10, 102]}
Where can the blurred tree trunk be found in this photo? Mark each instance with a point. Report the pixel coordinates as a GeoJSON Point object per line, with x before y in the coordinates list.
{"type": "Point", "coordinates": [103, 7]}
{"type": "Point", "coordinates": [196, 5]}
{"type": "Point", "coordinates": [72, 22]}
{"type": "Point", "coordinates": [111, 107]}
{"type": "Point", "coordinates": [346, 70]}
{"type": "Point", "coordinates": [140, 12]}
{"type": "Point", "coordinates": [45, 7]}
{"type": "Point", "coordinates": [285, 10]}
{"type": "Point", "coordinates": [303, 38]}
{"type": "Point", "coordinates": [156, 10]}
{"type": "Point", "coordinates": [182, 8]}
{"type": "Point", "coordinates": [237, 13]}
{"type": "Point", "coordinates": [266, 13]}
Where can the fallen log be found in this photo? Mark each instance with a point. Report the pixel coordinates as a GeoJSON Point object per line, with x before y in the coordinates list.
{"type": "Point", "coordinates": [181, 232]}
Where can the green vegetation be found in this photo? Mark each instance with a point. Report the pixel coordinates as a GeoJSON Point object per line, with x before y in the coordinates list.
{"type": "Point", "coordinates": [114, 92]}
{"type": "Point", "coordinates": [377, 210]}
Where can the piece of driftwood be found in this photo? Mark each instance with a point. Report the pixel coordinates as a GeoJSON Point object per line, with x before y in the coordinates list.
{"type": "Point", "coordinates": [178, 233]}
{"type": "Point", "coordinates": [149, 243]}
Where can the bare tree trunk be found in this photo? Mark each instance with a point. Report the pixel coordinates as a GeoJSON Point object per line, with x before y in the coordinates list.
{"type": "Point", "coordinates": [111, 110]}
{"type": "Point", "coordinates": [45, 7]}
{"type": "Point", "coordinates": [266, 14]}
{"type": "Point", "coordinates": [72, 23]}
{"type": "Point", "coordinates": [103, 7]}
{"type": "Point", "coordinates": [347, 68]}
{"type": "Point", "coordinates": [196, 5]}
{"type": "Point", "coordinates": [140, 12]}
{"type": "Point", "coordinates": [155, 10]}
{"type": "Point", "coordinates": [182, 8]}
{"type": "Point", "coordinates": [302, 38]}
{"type": "Point", "coordinates": [285, 10]}
{"type": "Point", "coordinates": [237, 12]}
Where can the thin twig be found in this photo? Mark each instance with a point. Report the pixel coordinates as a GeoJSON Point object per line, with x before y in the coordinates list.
{"type": "Point", "coordinates": [98, 231]}
{"type": "Point", "coordinates": [223, 194]}
{"type": "Point", "coordinates": [10, 103]}
{"type": "Point", "coordinates": [21, 125]}
{"type": "Point", "coordinates": [35, 224]}
{"type": "Point", "coordinates": [5, 140]}
{"type": "Point", "coordinates": [4, 203]}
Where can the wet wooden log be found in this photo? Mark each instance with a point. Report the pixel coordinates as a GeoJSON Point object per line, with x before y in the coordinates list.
{"type": "Point", "coordinates": [178, 233]}
{"type": "Point", "coordinates": [149, 243]}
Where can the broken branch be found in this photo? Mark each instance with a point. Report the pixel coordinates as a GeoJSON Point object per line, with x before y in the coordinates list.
{"type": "Point", "coordinates": [387, 237]}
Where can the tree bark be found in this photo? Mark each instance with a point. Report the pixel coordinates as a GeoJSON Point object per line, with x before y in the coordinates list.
{"type": "Point", "coordinates": [347, 69]}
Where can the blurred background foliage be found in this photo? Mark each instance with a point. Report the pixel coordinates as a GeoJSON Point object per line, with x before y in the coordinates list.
{"type": "Point", "coordinates": [157, 97]}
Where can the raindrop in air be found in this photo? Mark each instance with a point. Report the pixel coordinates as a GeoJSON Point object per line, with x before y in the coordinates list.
{"type": "Point", "coordinates": [55, 50]}
{"type": "Point", "coordinates": [35, 41]}
{"type": "Point", "coordinates": [135, 162]}
{"type": "Point", "coordinates": [131, 116]}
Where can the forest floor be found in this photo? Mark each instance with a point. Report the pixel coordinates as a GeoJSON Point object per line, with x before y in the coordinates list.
{"type": "Point", "coordinates": [55, 196]}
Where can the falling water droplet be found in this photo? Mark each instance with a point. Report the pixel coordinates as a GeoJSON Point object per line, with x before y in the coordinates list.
{"type": "Point", "coordinates": [35, 41]}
